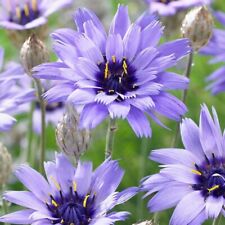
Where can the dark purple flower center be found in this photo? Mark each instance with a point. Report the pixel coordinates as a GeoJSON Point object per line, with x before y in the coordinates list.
{"type": "Point", "coordinates": [25, 14]}
{"type": "Point", "coordinates": [211, 177]}
{"type": "Point", "coordinates": [51, 107]}
{"type": "Point", "coordinates": [166, 1]}
{"type": "Point", "coordinates": [116, 77]}
{"type": "Point", "coordinates": [71, 208]}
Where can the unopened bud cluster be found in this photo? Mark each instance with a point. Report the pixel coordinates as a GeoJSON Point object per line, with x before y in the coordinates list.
{"type": "Point", "coordinates": [5, 164]}
{"type": "Point", "coordinates": [33, 53]}
{"type": "Point", "coordinates": [72, 140]}
{"type": "Point", "coordinates": [197, 26]}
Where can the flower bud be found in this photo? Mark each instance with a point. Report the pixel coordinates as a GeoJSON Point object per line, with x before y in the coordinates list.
{"type": "Point", "coordinates": [72, 140]}
{"type": "Point", "coordinates": [5, 164]}
{"type": "Point", "coordinates": [33, 53]}
{"type": "Point", "coordinates": [197, 26]}
{"type": "Point", "coordinates": [145, 223]}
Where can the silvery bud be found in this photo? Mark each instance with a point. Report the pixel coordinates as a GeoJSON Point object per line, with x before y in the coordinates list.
{"type": "Point", "coordinates": [33, 53]}
{"type": "Point", "coordinates": [5, 164]}
{"type": "Point", "coordinates": [197, 26]}
{"type": "Point", "coordinates": [72, 140]}
{"type": "Point", "coordinates": [145, 223]}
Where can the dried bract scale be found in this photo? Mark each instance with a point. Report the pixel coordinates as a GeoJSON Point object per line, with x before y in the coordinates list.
{"type": "Point", "coordinates": [33, 53]}
{"type": "Point", "coordinates": [197, 26]}
{"type": "Point", "coordinates": [72, 140]}
{"type": "Point", "coordinates": [5, 164]}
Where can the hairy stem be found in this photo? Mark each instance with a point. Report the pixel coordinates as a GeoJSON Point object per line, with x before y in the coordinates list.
{"type": "Point", "coordinates": [110, 138]}
{"type": "Point", "coordinates": [30, 135]}
{"type": "Point", "coordinates": [4, 204]}
{"type": "Point", "coordinates": [42, 106]}
{"type": "Point", "coordinates": [217, 220]}
{"type": "Point", "coordinates": [184, 97]}
{"type": "Point", "coordinates": [143, 157]}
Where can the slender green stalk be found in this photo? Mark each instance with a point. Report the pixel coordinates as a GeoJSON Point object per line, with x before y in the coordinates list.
{"type": "Point", "coordinates": [110, 138]}
{"type": "Point", "coordinates": [217, 220]}
{"type": "Point", "coordinates": [42, 106]}
{"type": "Point", "coordinates": [30, 135]}
{"type": "Point", "coordinates": [4, 203]}
{"type": "Point", "coordinates": [184, 97]}
{"type": "Point", "coordinates": [143, 157]}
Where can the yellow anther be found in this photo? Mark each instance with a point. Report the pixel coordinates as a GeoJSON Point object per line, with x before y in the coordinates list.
{"type": "Point", "coordinates": [34, 5]}
{"type": "Point", "coordinates": [26, 10]}
{"type": "Point", "coordinates": [213, 188]}
{"type": "Point", "coordinates": [62, 221]}
{"type": "Point", "coordinates": [111, 91]}
{"type": "Point", "coordinates": [54, 203]}
{"type": "Point", "coordinates": [55, 183]}
{"type": "Point", "coordinates": [74, 186]}
{"type": "Point", "coordinates": [196, 172]}
{"type": "Point", "coordinates": [85, 200]}
{"type": "Point", "coordinates": [125, 67]}
{"type": "Point", "coordinates": [18, 12]}
{"type": "Point", "coordinates": [114, 59]}
{"type": "Point", "coordinates": [106, 70]}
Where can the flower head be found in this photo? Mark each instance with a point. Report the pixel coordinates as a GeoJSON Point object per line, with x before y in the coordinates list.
{"type": "Point", "coordinates": [216, 48]}
{"type": "Point", "coordinates": [171, 7]}
{"type": "Point", "coordinates": [70, 196]}
{"type": "Point", "coordinates": [122, 74]}
{"type": "Point", "coordinates": [12, 96]}
{"type": "Point", "coordinates": [23, 14]}
{"type": "Point", "coordinates": [192, 179]}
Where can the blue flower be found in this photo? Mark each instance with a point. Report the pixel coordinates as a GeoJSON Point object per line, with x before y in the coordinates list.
{"type": "Point", "coordinates": [171, 7]}
{"type": "Point", "coordinates": [216, 48]}
{"type": "Point", "coordinates": [21, 15]}
{"type": "Point", "coordinates": [191, 179]}
{"type": "Point", "coordinates": [70, 195]}
{"type": "Point", "coordinates": [122, 74]}
{"type": "Point", "coordinates": [12, 96]}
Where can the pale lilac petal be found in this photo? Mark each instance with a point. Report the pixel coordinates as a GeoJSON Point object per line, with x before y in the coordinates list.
{"type": "Point", "coordinates": [213, 206]}
{"type": "Point", "coordinates": [188, 208]}
{"type": "Point", "coordinates": [92, 115]}
{"type": "Point", "coordinates": [121, 21]}
{"type": "Point", "coordinates": [139, 123]}
{"type": "Point", "coordinates": [19, 217]}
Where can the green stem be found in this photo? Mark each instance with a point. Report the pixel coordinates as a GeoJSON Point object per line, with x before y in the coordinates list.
{"type": "Point", "coordinates": [184, 97]}
{"type": "Point", "coordinates": [110, 138]}
{"type": "Point", "coordinates": [217, 220]}
{"type": "Point", "coordinates": [143, 157]}
{"type": "Point", "coordinates": [42, 106]}
{"type": "Point", "coordinates": [30, 135]}
{"type": "Point", "coordinates": [4, 204]}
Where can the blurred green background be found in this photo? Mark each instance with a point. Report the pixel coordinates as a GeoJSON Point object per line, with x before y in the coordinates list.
{"type": "Point", "coordinates": [131, 151]}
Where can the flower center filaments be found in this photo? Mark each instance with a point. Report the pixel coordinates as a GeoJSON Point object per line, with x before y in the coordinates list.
{"type": "Point", "coordinates": [116, 77]}
{"type": "Point", "coordinates": [211, 177]}
{"type": "Point", "coordinates": [71, 209]}
{"type": "Point", "coordinates": [51, 107]}
{"type": "Point", "coordinates": [25, 14]}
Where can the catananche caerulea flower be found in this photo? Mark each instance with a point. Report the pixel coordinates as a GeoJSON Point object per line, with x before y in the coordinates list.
{"type": "Point", "coordinates": [28, 14]}
{"type": "Point", "coordinates": [70, 196]}
{"type": "Point", "coordinates": [12, 96]}
{"type": "Point", "coordinates": [122, 74]}
{"type": "Point", "coordinates": [216, 48]}
{"type": "Point", "coordinates": [192, 179]}
{"type": "Point", "coordinates": [171, 7]}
